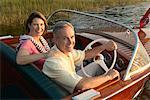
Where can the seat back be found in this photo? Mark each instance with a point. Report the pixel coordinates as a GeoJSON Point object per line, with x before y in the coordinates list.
{"type": "Point", "coordinates": [32, 75]}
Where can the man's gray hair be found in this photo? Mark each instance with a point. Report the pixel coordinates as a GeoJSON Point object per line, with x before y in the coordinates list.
{"type": "Point", "coordinates": [60, 25]}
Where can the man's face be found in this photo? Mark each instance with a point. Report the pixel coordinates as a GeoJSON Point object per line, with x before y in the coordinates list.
{"type": "Point", "coordinates": [65, 40]}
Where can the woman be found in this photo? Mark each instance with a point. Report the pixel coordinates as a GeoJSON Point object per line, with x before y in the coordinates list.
{"type": "Point", "coordinates": [33, 47]}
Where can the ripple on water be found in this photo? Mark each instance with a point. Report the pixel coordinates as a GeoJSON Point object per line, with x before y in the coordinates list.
{"type": "Point", "coordinates": [129, 15]}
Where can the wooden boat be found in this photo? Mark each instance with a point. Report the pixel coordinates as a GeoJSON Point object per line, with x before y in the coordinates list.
{"type": "Point", "coordinates": [132, 60]}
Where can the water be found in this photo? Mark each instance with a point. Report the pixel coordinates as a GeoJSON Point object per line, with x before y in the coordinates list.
{"type": "Point", "coordinates": [128, 15]}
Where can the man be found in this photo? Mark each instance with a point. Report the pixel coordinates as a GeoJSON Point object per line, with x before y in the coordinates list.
{"type": "Point", "coordinates": [61, 67]}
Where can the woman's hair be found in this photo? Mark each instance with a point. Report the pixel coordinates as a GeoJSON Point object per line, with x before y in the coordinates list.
{"type": "Point", "coordinates": [33, 15]}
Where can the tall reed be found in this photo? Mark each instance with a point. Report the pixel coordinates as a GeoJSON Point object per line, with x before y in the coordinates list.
{"type": "Point", "coordinates": [13, 13]}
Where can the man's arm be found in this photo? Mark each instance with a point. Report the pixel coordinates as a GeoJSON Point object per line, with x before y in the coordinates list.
{"type": "Point", "coordinates": [110, 45]}
{"type": "Point", "coordinates": [92, 82]}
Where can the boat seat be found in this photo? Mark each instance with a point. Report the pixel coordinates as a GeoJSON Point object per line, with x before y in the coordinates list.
{"type": "Point", "coordinates": [32, 75]}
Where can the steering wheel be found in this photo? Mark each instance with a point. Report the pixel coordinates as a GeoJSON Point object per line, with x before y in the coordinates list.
{"type": "Point", "coordinates": [99, 61]}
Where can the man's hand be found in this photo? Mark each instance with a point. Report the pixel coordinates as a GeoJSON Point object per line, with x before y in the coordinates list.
{"type": "Point", "coordinates": [112, 74]}
{"type": "Point", "coordinates": [110, 45]}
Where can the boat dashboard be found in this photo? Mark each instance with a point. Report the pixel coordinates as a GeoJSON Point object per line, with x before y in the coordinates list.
{"type": "Point", "coordinates": [122, 61]}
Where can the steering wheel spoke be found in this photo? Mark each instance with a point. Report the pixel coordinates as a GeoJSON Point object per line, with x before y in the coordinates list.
{"type": "Point", "coordinates": [100, 60]}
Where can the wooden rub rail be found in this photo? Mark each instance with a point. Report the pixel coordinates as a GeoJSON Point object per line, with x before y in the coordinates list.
{"type": "Point", "coordinates": [147, 47]}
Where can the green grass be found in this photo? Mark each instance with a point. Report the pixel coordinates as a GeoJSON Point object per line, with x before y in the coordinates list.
{"type": "Point", "coordinates": [13, 13]}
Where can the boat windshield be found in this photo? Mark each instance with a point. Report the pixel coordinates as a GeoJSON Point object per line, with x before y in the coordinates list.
{"type": "Point", "coordinates": [128, 42]}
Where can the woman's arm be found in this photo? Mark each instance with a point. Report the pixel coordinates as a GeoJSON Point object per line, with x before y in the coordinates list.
{"type": "Point", "coordinates": [23, 56]}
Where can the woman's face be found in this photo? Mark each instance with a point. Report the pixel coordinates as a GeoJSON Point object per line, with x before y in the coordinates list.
{"type": "Point", "coordinates": [37, 27]}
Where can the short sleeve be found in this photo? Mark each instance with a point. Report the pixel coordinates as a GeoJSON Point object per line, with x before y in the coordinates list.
{"type": "Point", "coordinates": [78, 56]}
{"type": "Point", "coordinates": [55, 71]}
{"type": "Point", "coordinates": [28, 45]}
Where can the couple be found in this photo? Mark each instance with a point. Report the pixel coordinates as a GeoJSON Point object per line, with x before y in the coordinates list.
{"type": "Point", "coordinates": [62, 57]}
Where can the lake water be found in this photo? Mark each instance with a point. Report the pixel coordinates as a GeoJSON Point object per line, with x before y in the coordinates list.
{"type": "Point", "coordinates": [129, 15]}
